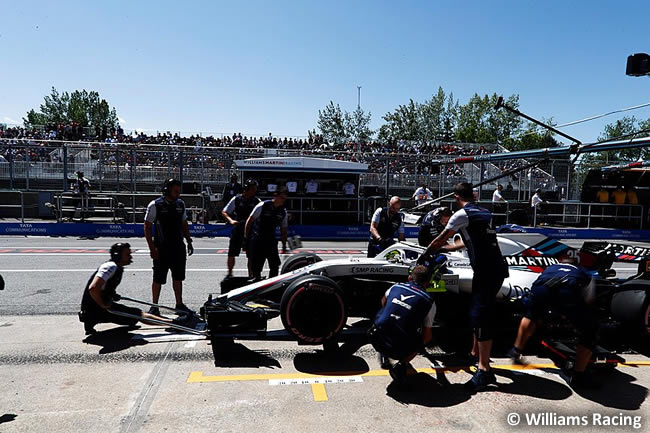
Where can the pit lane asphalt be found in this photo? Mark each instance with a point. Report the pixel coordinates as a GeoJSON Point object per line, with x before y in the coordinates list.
{"type": "Point", "coordinates": [152, 380]}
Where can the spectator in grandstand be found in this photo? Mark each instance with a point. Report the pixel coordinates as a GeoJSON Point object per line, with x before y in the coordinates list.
{"type": "Point", "coordinates": [231, 189]}
{"type": "Point", "coordinates": [236, 213]}
{"type": "Point", "coordinates": [422, 194]}
{"type": "Point", "coordinates": [166, 247]}
{"type": "Point", "coordinates": [384, 223]}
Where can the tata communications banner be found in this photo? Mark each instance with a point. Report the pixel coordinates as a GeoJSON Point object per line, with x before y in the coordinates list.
{"type": "Point", "coordinates": [306, 232]}
{"type": "Point", "coordinates": [196, 230]}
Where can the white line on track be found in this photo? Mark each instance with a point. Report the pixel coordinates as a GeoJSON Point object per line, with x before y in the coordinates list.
{"type": "Point", "coordinates": [147, 254]}
{"type": "Point", "coordinates": [127, 270]}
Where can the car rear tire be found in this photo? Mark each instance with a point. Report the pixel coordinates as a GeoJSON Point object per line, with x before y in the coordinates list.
{"type": "Point", "coordinates": [632, 307]}
{"type": "Point", "coordinates": [298, 261]}
{"type": "Point", "coordinates": [313, 309]}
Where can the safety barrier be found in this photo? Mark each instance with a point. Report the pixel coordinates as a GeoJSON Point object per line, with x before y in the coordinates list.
{"type": "Point", "coordinates": [306, 232]}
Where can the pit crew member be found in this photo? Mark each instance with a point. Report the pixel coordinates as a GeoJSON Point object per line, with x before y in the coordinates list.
{"type": "Point", "coordinates": [433, 223]}
{"type": "Point", "coordinates": [98, 301]}
{"type": "Point", "coordinates": [568, 290]}
{"type": "Point", "coordinates": [236, 213]}
{"type": "Point", "coordinates": [385, 222]}
{"type": "Point", "coordinates": [403, 325]}
{"type": "Point", "coordinates": [166, 247]}
{"type": "Point", "coordinates": [260, 232]}
{"type": "Point", "coordinates": [474, 225]}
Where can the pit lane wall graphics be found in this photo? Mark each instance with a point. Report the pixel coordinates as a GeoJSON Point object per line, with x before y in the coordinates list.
{"type": "Point", "coordinates": [306, 232]}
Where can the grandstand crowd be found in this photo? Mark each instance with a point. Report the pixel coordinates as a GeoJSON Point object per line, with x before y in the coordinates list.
{"type": "Point", "coordinates": [401, 157]}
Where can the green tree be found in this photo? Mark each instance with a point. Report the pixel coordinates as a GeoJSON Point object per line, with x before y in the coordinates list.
{"type": "Point", "coordinates": [402, 124]}
{"type": "Point", "coordinates": [432, 115]}
{"type": "Point", "coordinates": [357, 125]}
{"type": "Point", "coordinates": [534, 137]}
{"type": "Point", "coordinates": [332, 123]}
{"type": "Point", "coordinates": [479, 122]}
{"type": "Point", "coordinates": [83, 107]}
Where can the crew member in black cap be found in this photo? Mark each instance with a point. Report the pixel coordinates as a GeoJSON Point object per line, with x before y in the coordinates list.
{"type": "Point", "coordinates": [167, 214]}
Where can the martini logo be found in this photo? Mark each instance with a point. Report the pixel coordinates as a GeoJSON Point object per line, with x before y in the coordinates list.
{"type": "Point", "coordinates": [629, 250]}
{"type": "Point", "coordinates": [531, 261]}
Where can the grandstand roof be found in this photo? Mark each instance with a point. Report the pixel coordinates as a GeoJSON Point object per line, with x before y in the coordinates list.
{"type": "Point", "coordinates": [316, 165]}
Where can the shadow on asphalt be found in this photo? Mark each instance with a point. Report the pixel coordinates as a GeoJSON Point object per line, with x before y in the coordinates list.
{"type": "Point", "coordinates": [616, 391]}
{"type": "Point", "coordinates": [114, 340]}
{"type": "Point", "coordinates": [529, 385]}
{"type": "Point", "coordinates": [423, 390]}
{"type": "Point", "coordinates": [227, 353]}
{"type": "Point", "coordinates": [8, 417]}
{"type": "Point", "coordinates": [326, 364]}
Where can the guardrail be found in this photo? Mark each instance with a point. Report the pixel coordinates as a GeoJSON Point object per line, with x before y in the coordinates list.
{"type": "Point", "coordinates": [124, 166]}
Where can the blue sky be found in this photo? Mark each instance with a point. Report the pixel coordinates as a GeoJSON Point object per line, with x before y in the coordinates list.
{"type": "Point", "coordinates": [268, 66]}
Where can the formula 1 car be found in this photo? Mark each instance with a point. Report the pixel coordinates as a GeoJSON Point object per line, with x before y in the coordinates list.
{"type": "Point", "coordinates": [315, 298]}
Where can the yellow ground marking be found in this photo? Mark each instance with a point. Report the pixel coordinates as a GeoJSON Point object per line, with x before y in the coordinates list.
{"type": "Point", "coordinates": [198, 377]}
{"type": "Point", "coordinates": [318, 389]}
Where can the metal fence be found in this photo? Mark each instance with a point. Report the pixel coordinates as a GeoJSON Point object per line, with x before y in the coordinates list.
{"type": "Point", "coordinates": [46, 164]}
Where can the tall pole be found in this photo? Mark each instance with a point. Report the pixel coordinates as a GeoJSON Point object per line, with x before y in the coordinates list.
{"type": "Point", "coordinates": [358, 96]}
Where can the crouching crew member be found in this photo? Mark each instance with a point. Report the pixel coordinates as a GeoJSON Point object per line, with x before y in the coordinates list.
{"type": "Point", "coordinates": [260, 232]}
{"type": "Point", "coordinates": [568, 290]}
{"type": "Point", "coordinates": [167, 214]}
{"type": "Point", "coordinates": [385, 222]}
{"type": "Point", "coordinates": [403, 325]}
{"type": "Point", "coordinates": [433, 223]}
{"type": "Point", "coordinates": [236, 213]}
{"type": "Point", "coordinates": [98, 302]}
{"type": "Point", "coordinates": [490, 269]}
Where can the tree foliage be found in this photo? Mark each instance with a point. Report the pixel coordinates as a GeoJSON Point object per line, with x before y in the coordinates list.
{"type": "Point", "coordinates": [83, 107]}
{"type": "Point", "coordinates": [626, 127]}
{"type": "Point", "coordinates": [338, 126]}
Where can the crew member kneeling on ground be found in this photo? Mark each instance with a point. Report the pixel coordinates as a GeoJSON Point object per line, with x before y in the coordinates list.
{"type": "Point", "coordinates": [166, 248]}
{"type": "Point", "coordinates": [236, 213]}
{"type": "Point", "coordinates": [385, 222]}
{"type": "Point", "coordinates": [98, 302]}
{"type": "Point", "coordinates": [568, 290]}
{"type": "Point", "coordinates": [433, 223]}
{"type": "Point", "coordinates": [403, 326]}
{"type": "Point", "coordinates": [260, 232]}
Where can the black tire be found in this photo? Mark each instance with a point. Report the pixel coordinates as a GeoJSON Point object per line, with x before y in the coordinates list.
{"type": "Point", "coordinates": [632, 307]}
{"type": "Point", "coordinates": [2, 283]}
{"type": "Point", "coordinates": [313, 309]}
{"type": "Point", "coordinates": [298, 261]}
